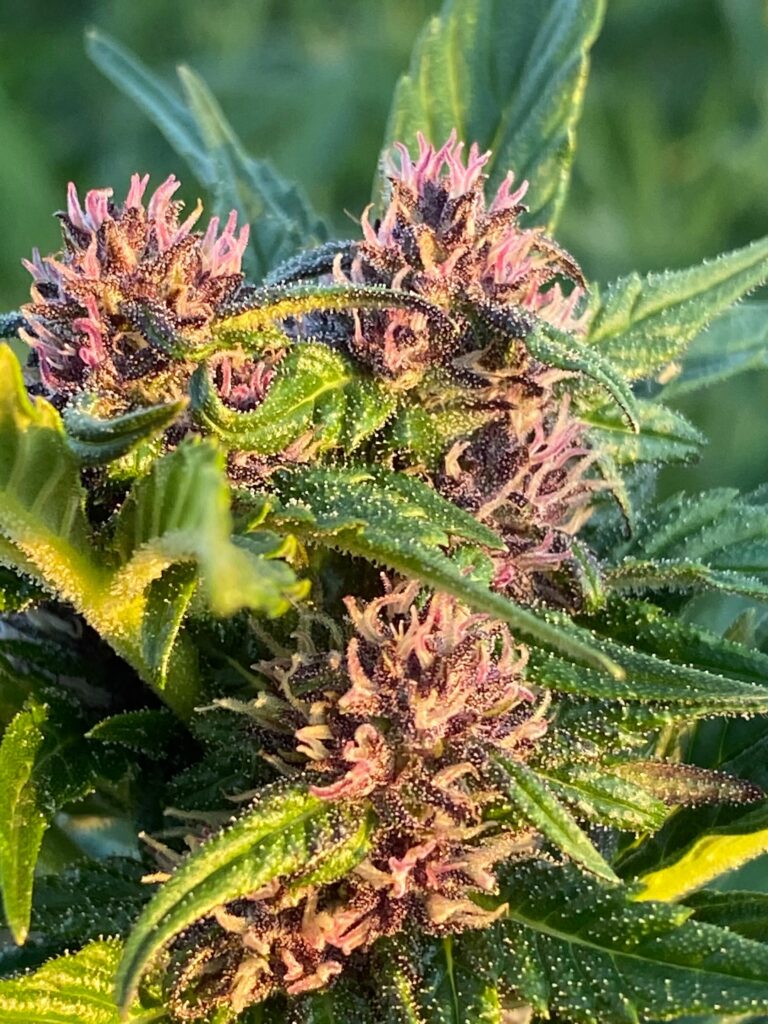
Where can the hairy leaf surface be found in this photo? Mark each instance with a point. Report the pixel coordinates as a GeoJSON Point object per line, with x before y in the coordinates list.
{"type": "Point", "coordinates": [736, 343]}
{"type": "Point", "coordinates": [73, 989]}
{"type": "Point", "coordinates": [45, 762]}
{"type": "Point", "coordinates": [586, 951]}
{"type": "Point", "coordinates": [368, 513]}
{"type": "Point", "coordinates": [642, 324]}
{"type": "Point", "coordinates": [531, 796]}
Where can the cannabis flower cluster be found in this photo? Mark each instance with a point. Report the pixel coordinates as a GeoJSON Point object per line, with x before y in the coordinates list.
{"type": "Point", "coordinates": [131, 283]}
{"type": "Point", "coordinates": [409, 720]}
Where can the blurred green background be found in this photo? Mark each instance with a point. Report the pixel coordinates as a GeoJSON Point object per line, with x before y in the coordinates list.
{"type": "Point", "coordinates": [672, 164]}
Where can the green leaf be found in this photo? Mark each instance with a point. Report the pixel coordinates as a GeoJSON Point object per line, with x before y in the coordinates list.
{"type": "Point", "coordinates": [668, 528]}
{"type": "Point", "coordinates": [653, 631]}
{"type": "Point", "coordinates": [44, 763]}
{"type": "Point", "coordinates": [155, 98]}
{"type": "Point", "coordinates": [737, 342]}
{"type": "Point", "coordinates": [179, 512]}
{"type": "Point", "coordinates": [428, 432]}
{"type": "Point", "coordinates": [642, 324]}
{"type": "Point", "coordinates": [366, 513]}
{"type": "Point", "coordinates": [636, 576]}
{"type": "Point", "coordinates": [167, 599]}
{"type": "Point", "coordinates": [510, 77]}
{"type": "Point", "coordinates": [90, 900]}
{"type": "Point", "coordinates": [22, 819]}
{"type": "Point", "coordinates": [714, 540]}
{"type": "Point", "coordinates": [605, 798]}
{"type": "Point", "coordinates": [149, 731]}
{"type": "Point", "coordinates": [745, 913]}
{"type": "Point", "coordinates": [44, 533]}
{"type": "Point", "coordinates": [663, 435]}
{"type": "Point", "coordinates": [16, 592]}
{"type": "Point", "coordinates": [287, 834]}
{"type": "Point", "coordinates": [315, 391]}
{"type": "Point", "coordinates": [531, 796]}
{"type": "Point", "coordinates": [97, 441]}
{"type": "Point", "coordinates": [280, 216]}
{"type": "Point", "coordinates": [43, 529]}
{"type": "Point", "coordinates": [585, 951]}
{"type": "Point", "coordinates": [451, 989]}
{"type": "Point", "coordinates": [669, 684]}
{"type": "Point", "coordinates": [708, 856]}
{"type": "Point", "coordinates": [344, 1002]}
{"type": "Point", "coordinates": [73, 989]}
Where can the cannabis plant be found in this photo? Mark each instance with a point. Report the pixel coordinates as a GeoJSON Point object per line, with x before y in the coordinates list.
{"type": "Point", "coordinates": [349, 665]}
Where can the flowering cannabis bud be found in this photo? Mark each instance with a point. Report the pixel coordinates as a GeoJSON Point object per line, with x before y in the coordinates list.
{"type": "Point", "coordinates": [524, 469]}
{"type": "Point", "coordinates": [439, 238]}
{"type": "Point", "coordinates": [131, 283]}
{"type": "Point", "coordinates": [530, 485]}
{"type": "Point", "coordinates": [408, 721]}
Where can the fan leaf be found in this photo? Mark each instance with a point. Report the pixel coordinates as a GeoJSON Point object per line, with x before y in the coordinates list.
{"type": "Point", "coordinates": [510, 77]}
{"type": "Point", "coordinates": [585, 951]}
{"type": "Point", "coordinates": [531, 796]}
{"type": "Point", "coordinates": [708, 856]}
{"type": "Point", "coordinates": [736, 343]}
{"type": "Point", "coordinates": [642, 324]}
{"type": "Point", "coordinates": [365, 512]}
{"type": "Point", "coordinates": [44, 763]}
{"type": "Point", "coordinates": [280, 216]}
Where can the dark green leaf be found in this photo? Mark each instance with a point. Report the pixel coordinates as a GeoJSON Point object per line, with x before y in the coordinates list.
{"type": "Point", "coordinates": [452, 991]}
{"type": "Point", "coordinates": [90, 900]}
{"type": "Point", "coordinates": [588, 952]}
{"type": "Point", "coordinates": [743, 912]}
{"type": "Point", "coordinates": [149, 731]}
{"type": "Point", "coordinates": [531, 796]}
{"type": "Point", "coordinates": [605, 798]}
{"type": "Point", "coordinates": [651, 630]}
{"type": "Point", "coordinates": [98, 441]}
{"type": "Point", "coordinates": [16, 592]}
{"type": "Point", "coordinates": [280, 216]}
{"type": "Point", "coordinates": [635, 577]}
{"type": "Point", "coordinates": [279, 213]}
{"type": "Point", "coordinates": [510, 77]}
{"type": "Point", "coordinates": [668, 683]}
